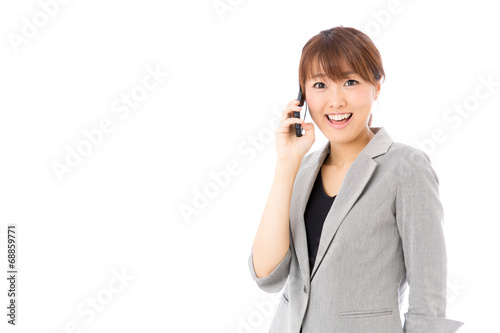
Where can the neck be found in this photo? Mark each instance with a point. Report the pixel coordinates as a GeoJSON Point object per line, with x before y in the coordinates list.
{"type": "Point", "coordinates": [342, 154]}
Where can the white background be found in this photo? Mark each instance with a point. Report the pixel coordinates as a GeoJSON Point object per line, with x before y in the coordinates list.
{"type": "Point", "coordinates": [228, 73]}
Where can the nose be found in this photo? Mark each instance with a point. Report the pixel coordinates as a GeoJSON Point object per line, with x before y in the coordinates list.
{"type": "Point", "coordinates": [336, 97]}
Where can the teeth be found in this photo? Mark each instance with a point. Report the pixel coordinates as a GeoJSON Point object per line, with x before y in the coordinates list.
{"type": "Point", "coordinates": [339, 116]}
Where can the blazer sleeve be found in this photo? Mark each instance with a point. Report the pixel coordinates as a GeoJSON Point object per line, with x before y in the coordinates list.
{"type": "Point", "coordinates": [419, 217]}
{"type": "Point", "coordinates": [275, 281]}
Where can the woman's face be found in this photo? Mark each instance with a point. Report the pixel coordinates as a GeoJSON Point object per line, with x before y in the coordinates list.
{"type": "Point", "coordinates": [352, 95]}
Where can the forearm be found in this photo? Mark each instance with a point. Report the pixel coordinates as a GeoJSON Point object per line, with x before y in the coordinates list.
{"type": "Point", "coordinates": [272, 240]}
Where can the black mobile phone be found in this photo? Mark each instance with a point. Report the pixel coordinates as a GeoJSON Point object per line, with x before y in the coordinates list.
{"type": "Point", "coordinates": [296, 114]}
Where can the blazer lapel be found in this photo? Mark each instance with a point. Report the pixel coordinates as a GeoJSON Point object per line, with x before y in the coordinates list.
{"type": "Point", "coordinates": [358, 175]}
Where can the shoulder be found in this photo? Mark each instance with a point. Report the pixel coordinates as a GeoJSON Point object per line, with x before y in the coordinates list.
{"type": "Point", "coordinates": [405, 153]}
{"type": "Point", "coordinates": [413, 164]}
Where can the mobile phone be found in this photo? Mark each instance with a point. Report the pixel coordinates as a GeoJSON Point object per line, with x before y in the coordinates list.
{"type": "Point", "coordinates": [296, 114]}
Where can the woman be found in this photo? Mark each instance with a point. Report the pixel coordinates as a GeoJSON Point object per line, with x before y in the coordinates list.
{"type": "Point", "coordinates": [348, 227]}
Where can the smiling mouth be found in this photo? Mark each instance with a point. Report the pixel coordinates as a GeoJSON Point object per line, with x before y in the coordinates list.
{"type": "Point", "coordinates": [339, 118]}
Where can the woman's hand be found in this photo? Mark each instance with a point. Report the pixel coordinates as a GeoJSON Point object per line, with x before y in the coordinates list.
{"type": "Point", "coordinates": [289, 147]}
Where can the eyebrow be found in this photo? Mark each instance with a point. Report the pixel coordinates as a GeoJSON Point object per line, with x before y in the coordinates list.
{"type": "Point", "coordinates": [321, 75]}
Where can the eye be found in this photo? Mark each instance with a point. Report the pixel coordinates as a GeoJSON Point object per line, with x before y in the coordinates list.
{"type": "Point", "coordinates": [319, 85]}
{"type": "Point", "coordinates": [351, 82]}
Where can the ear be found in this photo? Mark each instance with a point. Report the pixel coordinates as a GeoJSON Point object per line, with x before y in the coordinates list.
{"type": "Point", "coordinates": [377, 90]}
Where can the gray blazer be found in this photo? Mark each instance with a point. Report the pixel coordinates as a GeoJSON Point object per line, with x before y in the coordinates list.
{"type": "Point", "coordinates": [382, 234]}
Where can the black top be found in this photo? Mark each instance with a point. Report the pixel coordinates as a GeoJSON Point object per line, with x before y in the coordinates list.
{"type": "Point", "coordinates": [317, 209]}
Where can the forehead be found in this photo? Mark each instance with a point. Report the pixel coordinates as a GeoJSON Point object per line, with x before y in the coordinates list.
{"type": "Point", "coordinates": [322, 75]}
{"type": "Point", "coordinates": [335, 71]}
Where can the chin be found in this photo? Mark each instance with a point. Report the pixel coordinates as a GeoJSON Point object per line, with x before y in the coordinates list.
{"type": "Point", "coordinates": [346, 134]}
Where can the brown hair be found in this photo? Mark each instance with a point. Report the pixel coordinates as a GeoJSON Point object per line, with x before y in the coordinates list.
{"type": "Point", "coordinates": [337, 50]}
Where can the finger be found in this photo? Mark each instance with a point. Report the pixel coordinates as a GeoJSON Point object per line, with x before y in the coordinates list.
{"type": "Point", "coordinates": [308, 127]}
{"type": "Point", "coordinates": [287, 112]}
{"type": "Point", "coordinates": [285, 125]}
{"type": "Point", "coordinates": [290, 121]}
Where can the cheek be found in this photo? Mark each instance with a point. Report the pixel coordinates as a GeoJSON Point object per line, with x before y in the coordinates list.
{"type": "Point", "coordinates": [361, 98]}
{"type": "Point", "coordinates": [315, 108]}
{"type": "Point", "coordinates": [313, 102]}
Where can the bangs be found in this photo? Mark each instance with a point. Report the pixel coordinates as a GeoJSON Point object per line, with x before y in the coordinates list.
{"type": "Point", "coordinates": [333, 53]}
{"type": "Point", "coordinates": [326, 65]}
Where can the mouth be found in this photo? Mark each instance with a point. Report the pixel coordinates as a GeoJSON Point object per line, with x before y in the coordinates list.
{"type": "Point", "coordinates": [339, 120]}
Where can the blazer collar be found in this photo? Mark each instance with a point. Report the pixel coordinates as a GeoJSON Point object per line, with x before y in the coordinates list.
{"type": "Point", "coordinates": [378, 145]}
{"type": "Point", "coordinates": [357, 177]}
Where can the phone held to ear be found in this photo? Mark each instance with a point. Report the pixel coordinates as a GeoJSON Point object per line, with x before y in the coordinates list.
{"type": "Point", "coordinates": [296, 114]}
